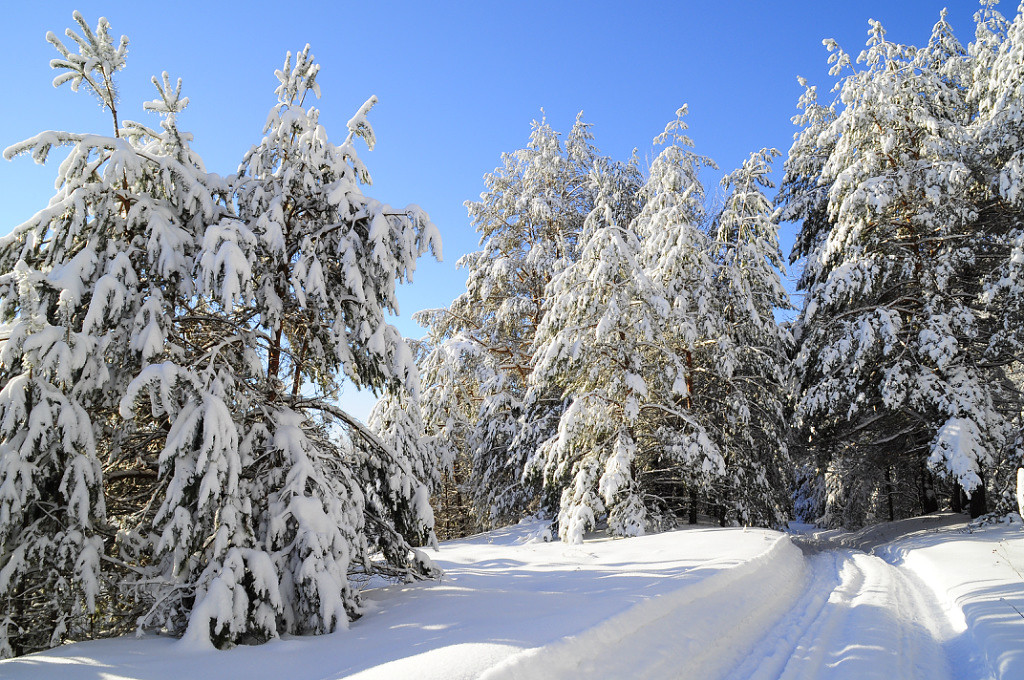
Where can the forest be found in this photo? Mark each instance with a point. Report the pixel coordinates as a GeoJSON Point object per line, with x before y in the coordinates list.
{"type": "Point", "coordinates": [625, 355]}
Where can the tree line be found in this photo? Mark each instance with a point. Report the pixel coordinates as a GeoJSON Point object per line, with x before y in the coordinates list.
{"type": "Point", "coordinates": [615, 359]}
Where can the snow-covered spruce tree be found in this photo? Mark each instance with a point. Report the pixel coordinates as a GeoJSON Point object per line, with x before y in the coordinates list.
{"type": "Point", "coordinates": [397, 420]}
{"type": "Point", "coordinates": [455, 372]}
{"type": "Point", "coordinates": [87, 288]}
{"type": "Point", "coordinates": [753, 402]}
{"type": "Point", "coordinates": [276, 497]}
{"type": "Point", "coordinates": [892, 383]}
{"type": "Point", "coordinates": [448, 403]}
{"type": "Point", "coordinates": [529, 220]}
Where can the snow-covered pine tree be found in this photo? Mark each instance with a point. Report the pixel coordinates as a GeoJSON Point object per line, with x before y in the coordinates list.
{"type": "Point", "coordinates": [529, 220]}
{"type": "Point", "coordinates": [448, 402]}
{"type": "Point", "coordinates": [997, 91]}
{"type": "Point", "coordinates": [329, 258]}
{"type": "Point", "coordinates": [594, 344]}
{"type": "Point", "coordinates": [753, 403]}
{"type": "Point", "coordinates": [153, 468]}
{"type": "Point", "coordinates": [889, 366]}
{"type": "Point", "coordinates": [801, 198]}
{"type": "Point", "coordinates": [295, 495]}
{"type": "Point", "coordinates": [668, 354]}
{"type": "Point", "coordinates": [677, 255]}
{"type": "Point", "coordinates": [87, 290]}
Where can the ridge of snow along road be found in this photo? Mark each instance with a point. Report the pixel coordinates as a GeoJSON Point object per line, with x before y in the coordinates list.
{"type": "Point", "coordinates": [504, 592]}
{"type": "Point", "coordinates": [537, 609]}
{"type": "Point", "coordinates": [700, 631]}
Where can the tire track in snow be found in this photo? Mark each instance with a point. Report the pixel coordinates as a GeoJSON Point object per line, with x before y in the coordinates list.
{"type": "Point", "coordinates": [770, 656]}
{"type": "Point", "coordinates": [862, 618]}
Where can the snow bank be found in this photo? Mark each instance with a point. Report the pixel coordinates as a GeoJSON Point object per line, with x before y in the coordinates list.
{"type": "Point", "coordinates": [702, 603]}
{"type": "Point", "coordinates": [977, 573]}
{"type": "Point", "coordinates": [506, 593]}
{"type": "Point", "coordinates": [704, 628]}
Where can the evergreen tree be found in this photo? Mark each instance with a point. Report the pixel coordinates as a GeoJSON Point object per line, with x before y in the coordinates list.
{"type": "Point", "coordinates": [87, 288]}
{"type": "Point", "coordinates": [155, 467]}
{"type": "Point", "coordinates": [997, 90]}
{"type": "Point", "coordinates": [889, 365]}
{"type": "Point", "coordinates": [753, 402]}
{"type": "Point", "coordinates": [594, 345]}
{"type": "Point", "coordinates": [304, 274]}
{"type": "Point", "coordinates": [448, 404]}
{"type": "Point", "coordinates": [664, 345]}
{"type": "Point", "coordinates": [529, 220]}
{"type": "Point", "coordinates": [678, 256]}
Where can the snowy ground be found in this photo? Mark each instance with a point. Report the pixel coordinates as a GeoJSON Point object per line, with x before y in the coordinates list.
{"type": "Point", "coordinates": [925, 598]}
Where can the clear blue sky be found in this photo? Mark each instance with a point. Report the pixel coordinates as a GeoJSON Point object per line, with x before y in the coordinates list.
{"type": "Point", "coordinates": [458, 84]}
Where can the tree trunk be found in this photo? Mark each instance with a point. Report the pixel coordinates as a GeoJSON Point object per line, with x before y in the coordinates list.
{"type": "Point", "coordinates": [693, 506]}
{"type": "Point", "coordinates": [297, 370]}
{"type": "Point", "coordinates": [929, 502]}
{"type": "Point", "coordinates": [689, 389]}
{"type": "Point", "coordinates": [978, 506]}
{"type": "Point", "coordinates": [274, 356]}
{"type": "Point", "coordinates": [956, 501]}
{"type": "Point", "coordinates": [889, 493]}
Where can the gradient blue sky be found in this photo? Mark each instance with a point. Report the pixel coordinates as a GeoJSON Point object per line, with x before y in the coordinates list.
{"type": "Point", "coordinates": [458, 84]}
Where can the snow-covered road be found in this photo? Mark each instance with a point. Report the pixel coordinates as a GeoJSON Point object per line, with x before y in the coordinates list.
{"type": "Point", "coordinates": [836, 613]}
{"type": "Point", "coordinates": [859, 617]}
{"type": "Point", "coordinates": [708, 604]}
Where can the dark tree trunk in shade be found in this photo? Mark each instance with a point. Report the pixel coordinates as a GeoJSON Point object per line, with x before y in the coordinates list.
{"type": "Point", "coordinates": [929, 501]}
{"type": "Point", "coordinates": [978, 504]}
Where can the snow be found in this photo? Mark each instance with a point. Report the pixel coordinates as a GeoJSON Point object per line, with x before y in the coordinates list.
{"type": "Point", "coordinates": [931, 597]}
{"type": "Point", "coordinates": [975, 576]}
{"type": "Point", "coordinates": [978, 578]}
{"type": "Point", "coordinates": [958, 447]}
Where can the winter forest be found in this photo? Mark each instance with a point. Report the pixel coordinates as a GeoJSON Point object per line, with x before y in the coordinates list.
{"type": "Point", "coordinates": [625, 355]}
